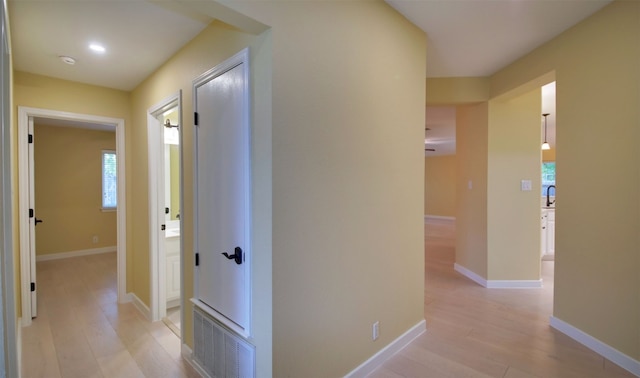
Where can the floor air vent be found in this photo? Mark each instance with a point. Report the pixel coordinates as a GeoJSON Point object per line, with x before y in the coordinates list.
{"type": "Point", "coordinates": [220, 353]}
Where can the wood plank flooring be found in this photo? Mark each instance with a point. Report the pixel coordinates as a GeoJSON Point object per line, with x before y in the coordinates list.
{"type": "Point", "coordinates": [478, 332]}
{"type": "Point", "coordinates": [81, 330]}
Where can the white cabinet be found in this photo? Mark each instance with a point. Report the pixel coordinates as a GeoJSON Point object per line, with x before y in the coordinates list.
{"type": "Point", "coordinates": [551, 232]}
{"type": "Point", "coordinates": [547, 233]}
{"type": "Point", "coordinates": [543, 233]}
{"type": "Point", "coordinates": [172, 251]}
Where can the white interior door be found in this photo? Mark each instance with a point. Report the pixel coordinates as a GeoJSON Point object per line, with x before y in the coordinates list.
{"type": "Point", "coordinates": [222, 192]}
{"type": "Point", "coordinates": [32, 222]}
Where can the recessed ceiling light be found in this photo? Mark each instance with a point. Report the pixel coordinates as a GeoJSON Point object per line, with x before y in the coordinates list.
{"type": "Point", "coordinates": [67, 59]}
{"type": "Point", "coordinates": [97, 48]}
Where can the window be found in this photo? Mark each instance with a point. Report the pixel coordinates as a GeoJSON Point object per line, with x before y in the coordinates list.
{"type": "Point", "coordinates": [548, 177]}
{"type": "Point", "coordinates": [109, 180]}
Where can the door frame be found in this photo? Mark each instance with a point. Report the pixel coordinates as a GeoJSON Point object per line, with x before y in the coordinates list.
{"type": "Point", "coordinates": [157, 261]}
{"type": "Point", "coordinates": [24, 113]}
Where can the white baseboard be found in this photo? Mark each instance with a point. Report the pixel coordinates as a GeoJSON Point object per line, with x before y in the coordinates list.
{"type": "Point", "coordinates": [497, 284]}
{"type": "Point", "coordinates": [514, 284]}
{"type": "Point", "coordinates": [82, 252]}
{"type": "Point", "coordinates": [140, 306]}
{"type": "Point", "coordinates": [385, 353]}
{"type": "Point", "coordinates": [606, 351]}
{"type": "Point", "coordinates": [173, 303]}
{"type": "Point", "coordinates": [470, 274]}
{"type": "Point", "coordinates": [440, 217]}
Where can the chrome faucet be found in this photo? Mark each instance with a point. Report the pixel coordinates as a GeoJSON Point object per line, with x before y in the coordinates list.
{"type": "Point", "coordinates": [549, 203]}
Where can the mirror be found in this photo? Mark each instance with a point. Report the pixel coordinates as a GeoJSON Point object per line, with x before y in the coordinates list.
{"type": "Point", "coordinates": [171, 166]}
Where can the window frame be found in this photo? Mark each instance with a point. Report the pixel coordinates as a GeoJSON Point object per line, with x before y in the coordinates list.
{"type": "Point", "coordinates": [546, 183]}
{"type": "Point", "coordinates": [106, 207]}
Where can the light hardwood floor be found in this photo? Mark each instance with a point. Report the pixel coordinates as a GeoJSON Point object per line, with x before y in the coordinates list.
{"type": "Point", "coordinates": [478, 332]}
{"type": "Point", "coordinates": [471, 332]}
{"type": "Point", "coordinates": [81, 330]}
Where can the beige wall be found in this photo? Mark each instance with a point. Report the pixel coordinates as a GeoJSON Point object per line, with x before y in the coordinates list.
{"type": "Point", "coordinates": [472, 128]}
{"type": "Point", "coordinates": [549, 155]}
{"type": "Point", "coordinates": [348, 130]}
{"type": "Point", "coordinates": [43, 92]}
{"type": "Point", "coordinates": [215, 44]}
{"type": "Point", "coordinates": [68, 189]}
{"type": "Point", "coordinates": [174, 162]}
{"type": "Point", "coordinates": [597, 285]}
{"type": "Point", "coordinates": [457, 90]}
{"type": "Point", "coordinates": [440, 185]}
{"type": "Point", "coordinates": [345, 185]}
{"type": "Point", "coordinates": [513, 215]}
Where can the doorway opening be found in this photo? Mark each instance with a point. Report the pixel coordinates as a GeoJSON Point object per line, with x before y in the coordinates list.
{"type": "Point", "coordinates": [28, 211]}
{"type": "Point", "coordinates": [165, 201]}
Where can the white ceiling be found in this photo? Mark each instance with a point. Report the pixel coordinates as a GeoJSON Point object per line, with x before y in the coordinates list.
{"type": "Point", "coordinates": [479, 37]}
{"type": "Point", "coordinates": [139, 36]}
{"type": "Point", "coordinates": [465, 38]}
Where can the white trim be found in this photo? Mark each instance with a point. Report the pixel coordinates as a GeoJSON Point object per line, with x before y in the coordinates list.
{"type": "Point", "coordinates": [157, 253]}
{"type": "Point", "coordinates": [497, 284]}
{"type": "Point", "coordinates": [139, 305]}
{"type": "Point", "coordinates": [439, 217]}
{"type": "Point", "coordinates": [624, 361]}
{"type": "Point", "coordinates": [18, 340]}
{"type": "Point", "coordinates": [388, 351]}
{"type": "Point", "coordinates": [514, 284]}
{"type": "Point", "coordinates": [82, 252]}
{"type": "Point", "coordinates": [470, 274]}
{"type": "Point", "coordinates": [24, 113]}
{"type": "Point", "coordinates": [174, 303]}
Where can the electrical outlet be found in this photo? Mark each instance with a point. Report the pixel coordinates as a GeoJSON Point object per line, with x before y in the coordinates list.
{"type": "Point", "coordinates": [95, 239]}
{"type": "Point", "coordinates": [375, 331]}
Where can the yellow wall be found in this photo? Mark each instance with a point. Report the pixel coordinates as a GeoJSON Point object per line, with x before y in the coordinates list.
{"type": "Point", "coordinates": [43, 92]}
{"type": "Point", "coordinates": [440, 185]}
{"type": "Point", "coordinates": [513, 215]}
{"type": "Point", "coordinates": [597, 284]}
{"type": "Point", "coordinates": [68, 189]}
{"type": "Point", "coordinates": [457, 90]}
{"type": "Point", "coordinates": [215, 44]}
{"type": "Point", "coordinates": [549, 155]}
{"type": "Point", "coordinates": [471, 187]}
{"type": "Point", "coordinates": [348, 167]}
{"type": "Point", "coordinates": [174, 162]}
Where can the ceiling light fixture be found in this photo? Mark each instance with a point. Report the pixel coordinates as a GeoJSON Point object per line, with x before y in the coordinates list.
{"type": "Point", "coordinates": [67, 59]}
{"type": "Point", "coordinates": [97, 48]}
{"type": "Point", "coordinates": [545, 145]}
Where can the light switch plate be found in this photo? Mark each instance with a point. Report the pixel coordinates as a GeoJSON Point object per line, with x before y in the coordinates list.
{"type": "Point", "coordinates": [525, 185]}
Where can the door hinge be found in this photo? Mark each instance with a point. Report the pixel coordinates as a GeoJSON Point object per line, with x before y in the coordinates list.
{"type": "Point", "coordinates": [166, 210]}
{"type": "Point", "coordinates": [33, 286]}
{"type": "Point", "coordinates": [197, 259]}
{"type": "Point", "coordinates": [163, 227]}
{"type": "Point", "coordinates": [195, 118]}
{"type": "Point", "coordinates": [30, 213]}
{"type": "Point", "coordinates": [30, 138]}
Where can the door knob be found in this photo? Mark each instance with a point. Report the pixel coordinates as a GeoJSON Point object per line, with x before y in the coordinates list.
{"type": "Point", "coordinates": [237, 256]}
{"type": "Point", "coordinates": [38, 221]}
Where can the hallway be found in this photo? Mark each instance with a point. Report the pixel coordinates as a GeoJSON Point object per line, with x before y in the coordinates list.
{"type": "Point", "coordinates": [471, 332]}
{"type": "Point", "coordinates": [478, 332]}
{"type": "Point", "coordinates": [81, 331]}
